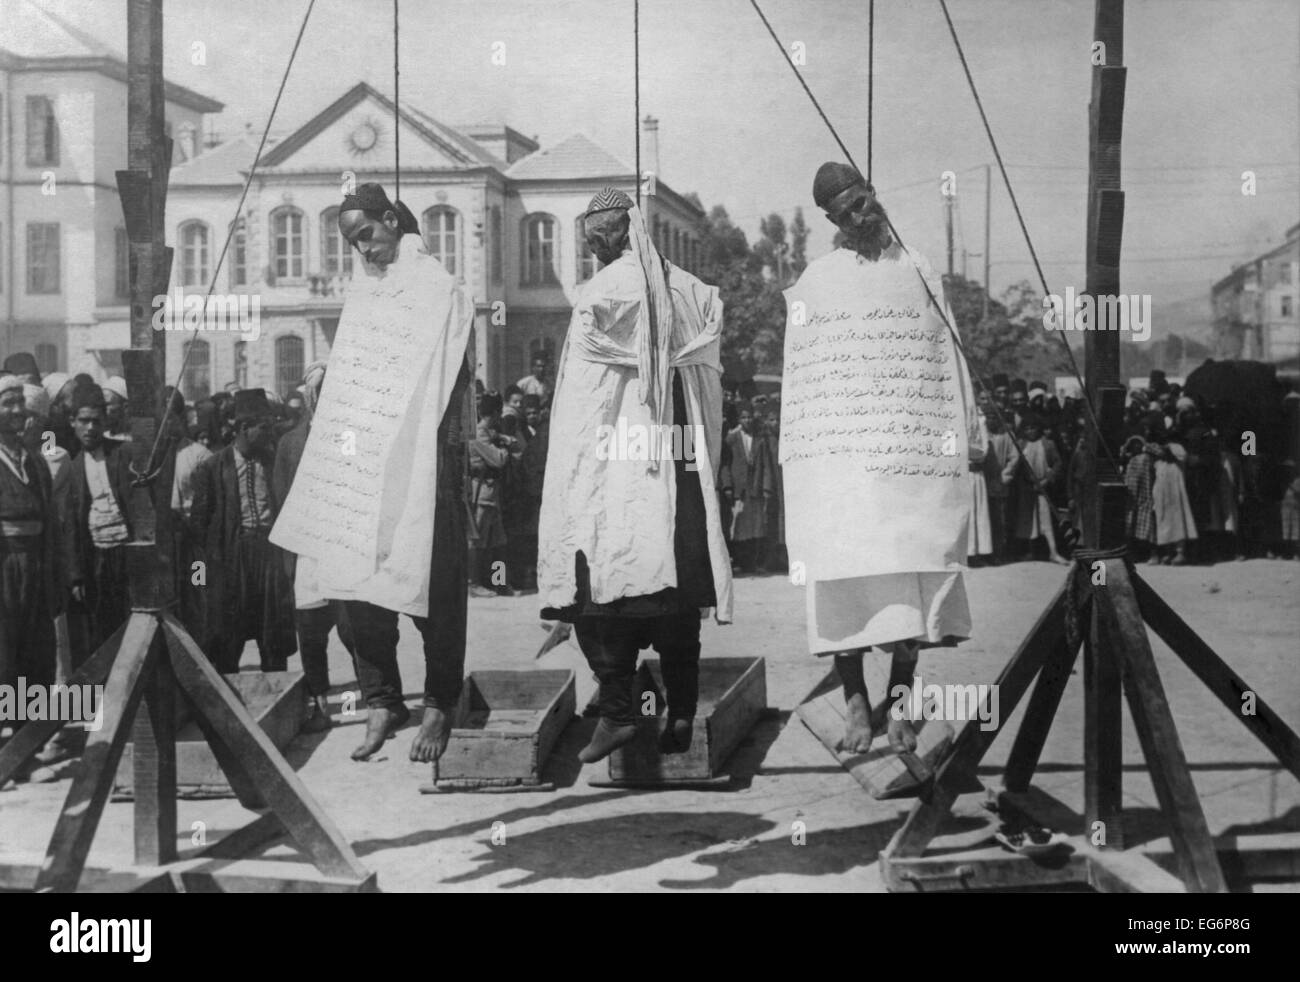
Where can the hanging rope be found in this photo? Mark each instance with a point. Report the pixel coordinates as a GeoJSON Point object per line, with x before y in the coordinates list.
{"type": "Point", "coordinates": [636, 93]}
{"type": "Point", "coordinates": [230, 232]}
{"type": "Point", "coordinates": [1024, 230]}
{"type": "Point", "coordinates": [871, 79]}
{"type": "Point", "coordinates": [397, 115]}
{"type": "Point", "coordinates": [938, 307]}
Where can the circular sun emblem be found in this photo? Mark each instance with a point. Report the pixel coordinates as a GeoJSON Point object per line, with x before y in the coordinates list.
{"type": "Point", "coordinates": [364, 138]}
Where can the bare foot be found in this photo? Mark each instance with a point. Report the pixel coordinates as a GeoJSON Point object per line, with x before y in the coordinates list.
{"type": "Point", "coordinates": [676, 737]}
{"type": "Point", "coordinates": [318, 715]}
{"type": "Point", "coordinates": [431, 739]}
{"type": "Point", "coordinates": [857, 726]}
{"type": "Point", "coordinates": [607, 738]}
{"type": "Point", "coordinates": [1061, 560]}
{"type": "Point", "coordinates": [902, 738]}
{"type": "Point", "coordinates": [381, 723]}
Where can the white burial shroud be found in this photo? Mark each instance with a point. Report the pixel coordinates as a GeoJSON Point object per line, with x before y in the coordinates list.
{"type": "Point", "coordinates": [619, 513]}
{"type": "Point", "coordinates": [362, 502]}
{"type": "Point", "coordinates": [878, 419]}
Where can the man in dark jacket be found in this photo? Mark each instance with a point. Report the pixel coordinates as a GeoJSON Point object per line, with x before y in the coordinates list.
{"type": "Point", "coordinates": [248, 591]}
{"type": "Point", "coordinates": [28, 535]}
{"type": "Point", "coordinates": [98, 496]}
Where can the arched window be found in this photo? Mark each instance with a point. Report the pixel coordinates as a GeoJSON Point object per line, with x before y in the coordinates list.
{"type": "Point", "coordinates": [239, 256]}
{"type": "Point", "coordinates": [441, 237]}
{"type": "Point", "coordinates": [241, 364]}
{"type": "Point", "coordinates": [194, 254]}
{"type": "Point", "coordinates": [288, 362]}
{"type": "Point", "coordinates": [196, 380]}
{"type": "Point", "coordinates": [287, 243]}
{"type": "Point", "coordinates": [538, 253]}
{"type": "Point", "coordinates": [498, 246]}
{"type": "Point", "coordinates": [677, 248]}
{"type": "Point", "coordinates": [586, 258]}
{"type": "Point", "coordinates": [335, 253]}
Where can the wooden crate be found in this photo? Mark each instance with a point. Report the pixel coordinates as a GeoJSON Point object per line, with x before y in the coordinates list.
{"type": "Point", "coordinates": [506, 724]}
{"type": "Point", "coordinates": [278, 702]}
{"type": "Point", "coordinates": [733, 694]}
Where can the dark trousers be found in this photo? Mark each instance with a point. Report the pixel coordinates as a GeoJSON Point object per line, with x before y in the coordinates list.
{"type": "Point", "coordinates": [612, 644]}
{"type": "Point", "coordinates": [314, 625]}
{"type": "Point", "coordinates": [998, 527]}
{"type": "Point", "coordinates": [26, 624]}
{"type": "Point", "coordinates": [261, 608]}
{"type": "Point", "coordinates": [106, 606]}
{"type": "Point", "coordinates": [370, 632]}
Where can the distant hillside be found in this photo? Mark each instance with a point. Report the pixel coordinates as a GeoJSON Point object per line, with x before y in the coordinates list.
{"type": "Point", "coordinates": [1190, 318]}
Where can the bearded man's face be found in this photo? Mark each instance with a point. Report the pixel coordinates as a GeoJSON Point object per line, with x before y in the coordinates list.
{"type": "Point", "coordinates": [858, 214]}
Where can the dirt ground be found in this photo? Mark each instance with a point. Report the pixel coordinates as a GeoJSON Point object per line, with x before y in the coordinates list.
{"type": "Point", "coordinates": [579, 837]}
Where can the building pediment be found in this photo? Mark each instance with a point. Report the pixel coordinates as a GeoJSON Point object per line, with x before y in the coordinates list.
{"type": "Point", "coordinates": [357, 131]}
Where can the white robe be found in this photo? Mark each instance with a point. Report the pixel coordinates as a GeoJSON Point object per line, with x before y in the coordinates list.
{"type": "Point", "coordinates": [619, 513]}
{"type": "Point", "coordinates": [879, 554]}
{"type": "Point", "coordinates": [362, 501]}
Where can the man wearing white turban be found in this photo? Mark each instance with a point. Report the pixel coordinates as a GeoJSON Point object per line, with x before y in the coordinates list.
{"type": "Point", "coordinates": [631, 549]}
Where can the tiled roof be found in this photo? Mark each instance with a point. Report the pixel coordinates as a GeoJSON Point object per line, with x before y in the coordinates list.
{"type": "Point", "coordinates": [219, 166]}
{"type": "Point", "coordinates": [31, 32]}
{"type": "Point", "coordinates": [454, 136]}
{"type": "Point", "coordinates": [39, 37]}
{"type": "Point", "coordinates": [577, 156]}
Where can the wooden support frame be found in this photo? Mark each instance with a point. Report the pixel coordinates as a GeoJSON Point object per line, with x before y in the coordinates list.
{"type": "Point", "coordinates": [1114, 605]}
{"type": "Point", "coordinates": [149, 655]}
{"type": "Point", "coordinates": [1121, 606]}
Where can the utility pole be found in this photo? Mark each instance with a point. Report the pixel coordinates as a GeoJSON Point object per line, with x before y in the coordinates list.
{"type": "Point", "coordinates": [988, 215]}
{"type": "Point", "coordinates": [947, 215]}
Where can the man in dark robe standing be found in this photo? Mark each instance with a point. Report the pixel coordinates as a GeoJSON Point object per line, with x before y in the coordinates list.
{"type": "Point", "coordinates": [28, 556]}
{"type": "Point", "coordinates": [248, 592]}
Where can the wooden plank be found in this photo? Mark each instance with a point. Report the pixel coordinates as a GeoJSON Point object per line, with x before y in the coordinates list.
{"type": "Point", "coordinates": [1039, 714]}
{"type": "Point", "coordinates": [972, 743]}
{"type": "Point", "coordinates": [1230, 689]}
{"type": "Point", "coordinates": [32, 736]}
{"type": "Point", "coordinates": [277, 700]}
{"type": "Point", "coordinates": [262, 830]}
{"type": "Point", "coordinates": [75, 829]}
{"type": "Point", "coordinates": [735, 712]}
{"type": "Point", "coordinates": [264, 876]}
{"type": "Point", "coordinates": [732, 695]}
{"type": "Point", "coordinates": [1103, 730]}
{"type": "Point", "coordinates": [233, 771]}
{"type": "Point", "coordinates": [1260, 856]}
{"type": "Point", "coordinates": [1128, 871]}
{"type": "Point", "coordinates": [510, 737]}
{"type": "Point", "coordinates": [880, 771]}
{"type": "Point", "coordinates": [1123, 631]}
{"type": "Point", "coordinates": [505, 689]}
{"type": "Point", "coordinates": [154, 763]}
{"type": "Point", "coordinates": [558, 714]}
{"type": "Point", "coordinates": [282, 789]}
{"type": "Point", "coordinates": [985, 868]}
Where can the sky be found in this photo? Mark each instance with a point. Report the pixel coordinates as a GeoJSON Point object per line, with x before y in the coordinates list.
{"type": "Point", "coordinates": [1213, 90]}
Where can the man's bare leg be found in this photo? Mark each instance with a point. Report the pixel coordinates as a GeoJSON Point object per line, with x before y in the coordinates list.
{"type": "Point", "coordinates": [857, 706]}
{"type": "Point", "coordinates": [431, 739]}
{"type": "Point", "coordinates": [381, 723]}
{"type": "Point", "coordinates": [902, 670]}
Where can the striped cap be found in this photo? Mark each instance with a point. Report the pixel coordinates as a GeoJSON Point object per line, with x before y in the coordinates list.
{"type": "Point", "coordinates": [610, 199]}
